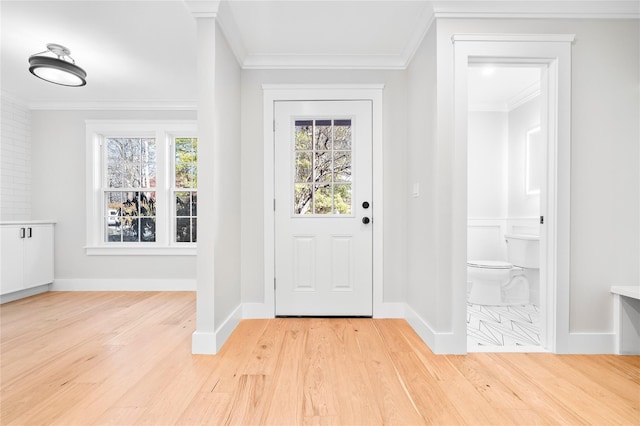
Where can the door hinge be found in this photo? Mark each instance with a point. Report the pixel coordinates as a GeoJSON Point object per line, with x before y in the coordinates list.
{"type": "Point", "coordinates": [274, 283]}
{"type": "Point", "coordinates": [274, 125]}
{"type": "Point", "coordinates": [274, 204]}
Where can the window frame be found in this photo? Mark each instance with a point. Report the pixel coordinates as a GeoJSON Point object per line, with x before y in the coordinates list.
{"type": "Point", "coordinates": [164, 132]}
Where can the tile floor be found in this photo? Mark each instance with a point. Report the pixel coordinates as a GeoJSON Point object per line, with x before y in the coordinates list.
{"type": "Point", "coordinates": [503, 327]}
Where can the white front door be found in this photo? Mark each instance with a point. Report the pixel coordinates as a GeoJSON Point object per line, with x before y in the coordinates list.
{"type": "Point", "coordinates": [323, 208]}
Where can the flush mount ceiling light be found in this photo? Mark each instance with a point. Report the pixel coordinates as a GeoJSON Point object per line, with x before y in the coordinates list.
{"type": "Point", "coordinates": [61, 69]}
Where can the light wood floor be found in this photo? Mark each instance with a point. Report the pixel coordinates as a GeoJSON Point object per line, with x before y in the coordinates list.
{"type": "Point", "coordinates": [124, 358]}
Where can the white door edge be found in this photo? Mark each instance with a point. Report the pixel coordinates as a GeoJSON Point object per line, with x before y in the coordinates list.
{"type": "Point", "coordinates": [318, 92]}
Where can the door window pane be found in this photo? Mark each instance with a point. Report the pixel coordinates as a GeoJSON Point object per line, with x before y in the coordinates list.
{"type": "Point", "coordinates": [323, 164]}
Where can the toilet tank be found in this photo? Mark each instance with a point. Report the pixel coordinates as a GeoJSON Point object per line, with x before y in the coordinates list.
{"type": "Point", "coordinates": [523, 250]}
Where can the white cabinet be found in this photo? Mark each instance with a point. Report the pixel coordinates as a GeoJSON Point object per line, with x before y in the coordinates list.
{"type": "Point", "coordinates": [26, 253]}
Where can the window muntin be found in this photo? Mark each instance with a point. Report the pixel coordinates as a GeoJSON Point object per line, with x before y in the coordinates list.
{"type": "Point", "coordinates": [322, 164]}
{"type": "Point", "coordinates": [185, 191]}
{"type": "Point", "coordinates": [131, 188]}
{"type": "Point", "coordinates": [129, 196]}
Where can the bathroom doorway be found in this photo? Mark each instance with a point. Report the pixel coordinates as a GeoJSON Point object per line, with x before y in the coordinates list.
{"type": "Point", "coordinates": [506, 169]}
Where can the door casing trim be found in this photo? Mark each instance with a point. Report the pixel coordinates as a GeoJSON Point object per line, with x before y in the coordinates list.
{"type": "Point", "coordinates": [553, 51]}
{"type": "Point", "coordinates": [322, 92]}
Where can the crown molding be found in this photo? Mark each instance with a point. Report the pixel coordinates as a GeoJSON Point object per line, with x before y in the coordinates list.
{"type": "Point", "coordinates": [525, 95]}
{"type": "Point", "coordinates": [116, 105]}
{"type": "Point", "coordinates": [203, 8]}
{"type": "Point", "coordinates": [572, 9]}
{"type": "Point", "coordinates": [390, 62]}
{"type": "Point", "coordinates": [303, 61]}
{"type": "Point", "coordinates": [427, 18]}
{"type": "Point", "coordinates": [469, 9]}
{"type": "Point", "coordinates": [231, 32]}
{"type": "Point", "coordinates": [536, 38]}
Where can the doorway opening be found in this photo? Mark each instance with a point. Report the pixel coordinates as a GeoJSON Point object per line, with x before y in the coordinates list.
{"type": "Point", "coordinates": [506, 165]}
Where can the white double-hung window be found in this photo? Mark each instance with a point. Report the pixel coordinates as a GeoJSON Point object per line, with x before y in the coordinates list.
{"type": "Point", "coordinates": [142, 181]}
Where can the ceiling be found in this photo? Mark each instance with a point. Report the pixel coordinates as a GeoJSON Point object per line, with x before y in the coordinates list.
{"type": "Point", "coordinates": [501, 88]}
{"type": "Point", "coordinates": [143, 52]}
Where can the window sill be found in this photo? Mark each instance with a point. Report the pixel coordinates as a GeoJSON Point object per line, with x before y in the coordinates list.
{"type": "Point", "coordinates": [190, 250]}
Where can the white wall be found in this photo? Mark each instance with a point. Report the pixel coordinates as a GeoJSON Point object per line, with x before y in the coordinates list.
{"type": "Point", "coordinates": [520, 121]}
{"type": "Point", "coordinates": [227, 182]}
{"type": "Point", "coordinates": [604, 156]}
{"type": "Point", "coordinates": [252, 157]}
{"type": "Point", "coordinates": [15, 154]}
{"type": "Point", "coordinates": [422, 216]}
{"type": "Point", "coordinates": [488, 158]}
{"type": "Point", "coordinates": [487, 184]}
{"type": "Point", "coordinates": [58, 192]}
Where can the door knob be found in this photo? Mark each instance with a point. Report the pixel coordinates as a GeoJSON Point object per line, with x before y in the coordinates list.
{"type": "Point", "coordinates": [365, 205]}
{"type": "Point", "coordinates": [366, 220]}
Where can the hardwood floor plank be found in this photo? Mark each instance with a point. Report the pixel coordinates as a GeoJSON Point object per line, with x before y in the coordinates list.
{"type": "Point", "coordinates": [123, 358]}
{"type": "Point", "coordinates": [388, 389]}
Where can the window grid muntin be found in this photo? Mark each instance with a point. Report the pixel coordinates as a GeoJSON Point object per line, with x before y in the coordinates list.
{"type": "Point", "coordinates": [179, 236]}
{"type": "Point", "coordinates": [314, 182]}
{"type": "Point", "coordinates": [141, 224]}
{"type": "Point", "coordinates": [136, 220]}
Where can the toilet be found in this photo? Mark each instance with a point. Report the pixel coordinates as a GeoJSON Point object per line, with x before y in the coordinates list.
{"type": "Point", "coordinates": [500, 283]}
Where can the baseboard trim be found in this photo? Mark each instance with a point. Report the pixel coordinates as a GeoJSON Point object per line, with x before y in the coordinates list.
{"type": "Point", "coordinates": [203, 343]}
{"type": "Point", "coordinates": [208, 343]}
{"type": "Point", "coordinates": [226, 328]}
{"type": "Point", "coordinates": [21, 294]}
{"type": "Point", "coordinates": [439, 343]}
{"type": "Point", "coordinates": [127, 284]}
{"type": "Point", "coordinates": [591, 343]}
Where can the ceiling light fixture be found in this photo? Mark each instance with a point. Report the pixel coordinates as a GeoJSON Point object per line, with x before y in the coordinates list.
{"type": "Point", "coordinates": [61, 69]}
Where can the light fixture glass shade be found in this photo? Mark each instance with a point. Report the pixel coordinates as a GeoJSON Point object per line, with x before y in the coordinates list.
{"type": "Point", "coordinates": [57, 70]}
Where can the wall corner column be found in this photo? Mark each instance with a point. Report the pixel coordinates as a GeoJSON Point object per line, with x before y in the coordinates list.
{"type": "Point", "coordinates": [204, 338]}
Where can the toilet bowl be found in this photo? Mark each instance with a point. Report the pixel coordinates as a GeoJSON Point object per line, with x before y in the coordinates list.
{"type": "Point", "coordinates": [496, 283]}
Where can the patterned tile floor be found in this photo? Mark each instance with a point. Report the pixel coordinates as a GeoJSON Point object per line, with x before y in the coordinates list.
{"type": "Point", "coordinates": [502, 327]}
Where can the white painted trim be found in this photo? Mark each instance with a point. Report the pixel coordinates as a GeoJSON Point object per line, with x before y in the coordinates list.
{"type": "Point", "coordinates": [124, 284]}
{"type": "Point", "coordinates": [317, 92]}
{"type": "Point", "coordinates": [27, 222]}
{"type": "Point", "coordinates": [555, 52]}
{"type": "Point", "coordinates": [230, 30]}
{"type": "Point", "coordinates": [123, 250]}
{"type": "Point", "coordinates": [203, 343]}
{"type": "Point", "coordinates": [208, 343]}
{"type": "Point", "coordinates": [21, 294]}
{"type": "Point", "coordinates": [228, 325]}
{"type": "Point", "coordinates": [575, 9]}
{"type": "Point", "coordinates": [590, 343]}
{"type": "Point", "coordinates": [203, 8]}
{"type": "Point", "coordinates": [163, 131]}
{"type": "Point", "coordinates": [511, 38]}
{"type": "Point", "coordinates": [117, 105]}
{"type": "Point", "coordinates": [427, 19]}
{"type": "Point", "coordinates": [438, 342]}
{"type": "Point", "coordinates": [323, 62]}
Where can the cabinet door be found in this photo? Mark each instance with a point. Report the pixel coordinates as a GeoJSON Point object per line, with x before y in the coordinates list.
{"type": "Point", "coordinates": [38, 255]}
{"type": "Point", "coordinates": [11, 256]}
